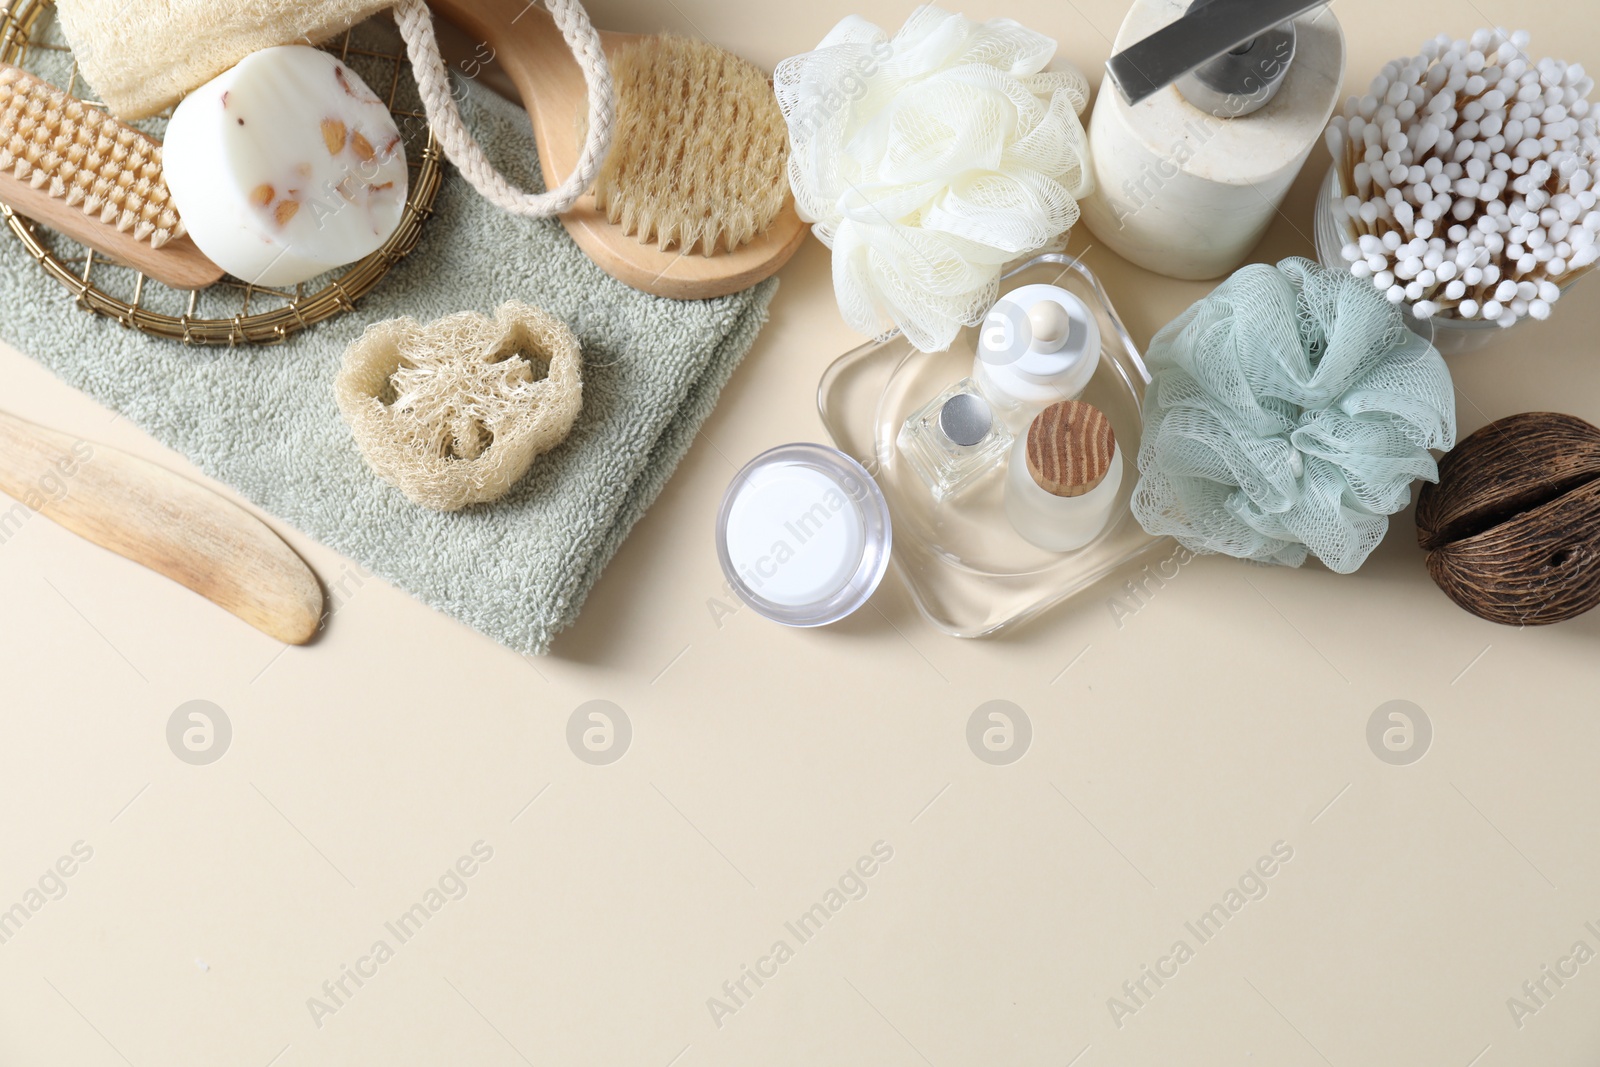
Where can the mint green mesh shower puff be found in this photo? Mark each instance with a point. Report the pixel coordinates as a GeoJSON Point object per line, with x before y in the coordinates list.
{"type": "Point", "coordinates": [1289, 412]}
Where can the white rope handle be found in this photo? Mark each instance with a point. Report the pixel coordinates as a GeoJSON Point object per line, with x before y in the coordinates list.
{"type": "Point", "coordinates": [433, 82]}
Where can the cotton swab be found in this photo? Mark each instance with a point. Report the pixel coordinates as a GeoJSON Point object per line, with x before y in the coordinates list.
{"type": "Point", "coordinates": [1470, 176]}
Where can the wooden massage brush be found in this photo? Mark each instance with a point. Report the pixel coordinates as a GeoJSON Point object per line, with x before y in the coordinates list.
{"type": "Point", "coordinates": [82, 173]}
{"type": "Point", "coordinates": [697, 164]}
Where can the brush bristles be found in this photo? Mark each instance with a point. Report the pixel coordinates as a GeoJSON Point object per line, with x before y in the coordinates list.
{"type": "Point", "coordinates": [82, 156]}
{"type": "Point", "coordinates": [698, 158]}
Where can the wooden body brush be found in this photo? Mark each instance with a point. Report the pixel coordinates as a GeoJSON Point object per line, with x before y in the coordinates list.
{"type": "Point", "coordinates": [697, 163]}
{"type": "Point", "coordinates": [82, 173]}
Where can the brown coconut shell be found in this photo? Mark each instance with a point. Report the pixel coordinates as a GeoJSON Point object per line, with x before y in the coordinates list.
{"type": "Point", "coordinates": [1512, 529]}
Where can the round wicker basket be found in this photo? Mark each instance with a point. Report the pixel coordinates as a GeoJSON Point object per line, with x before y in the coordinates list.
{"type": "Point", "coordinates": [231, 312]}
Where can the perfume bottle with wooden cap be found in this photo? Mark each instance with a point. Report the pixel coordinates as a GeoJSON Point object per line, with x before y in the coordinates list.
{"type": "Point", "coordinates": [1064, 478]}
{"type": "Point", "coordinates": [954, 440]}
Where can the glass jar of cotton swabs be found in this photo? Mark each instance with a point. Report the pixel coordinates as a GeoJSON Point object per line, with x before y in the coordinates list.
{"type": "Point", "coordinates": [1464, 185]}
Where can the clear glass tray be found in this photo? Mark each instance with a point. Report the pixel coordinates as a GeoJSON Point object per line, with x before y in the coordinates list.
{"type": "Point", "coordinates": [968, 571]}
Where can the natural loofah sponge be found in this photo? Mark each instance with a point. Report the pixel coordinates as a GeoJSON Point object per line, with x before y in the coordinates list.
{"type": "Point", "coordinates": [453, 413]}
{"type": "Point", "coordinates": [1289, 412]}
{"type": "Point", "coordinates": [143, 57]}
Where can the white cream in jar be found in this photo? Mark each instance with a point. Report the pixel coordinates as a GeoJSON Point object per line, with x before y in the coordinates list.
{"type": "Point", "coordinates": [803, 535]}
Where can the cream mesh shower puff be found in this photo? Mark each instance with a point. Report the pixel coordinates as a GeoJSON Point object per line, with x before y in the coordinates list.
{"type": "Point", "coordinates": [1289, 412]}
{"type": "Point", "coordinates": [453, 413]}
{"type": "Point", "coordinates": [929, 160]}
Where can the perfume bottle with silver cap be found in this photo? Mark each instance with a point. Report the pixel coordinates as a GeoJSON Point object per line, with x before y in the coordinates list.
{"type": "Point", "coordinates": [954, 440]}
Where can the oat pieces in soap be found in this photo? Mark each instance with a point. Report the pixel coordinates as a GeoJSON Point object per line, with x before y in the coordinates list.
{"type": "Point", "coordinates": [286, 166]}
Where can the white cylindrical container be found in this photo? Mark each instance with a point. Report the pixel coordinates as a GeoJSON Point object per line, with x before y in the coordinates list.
{"type": "Point", "coordinates": [1039, 345]}
{"type": "Point", "coordinates": [1062, 485]}
{"type": "Point", "coordinates": [1186, 192]}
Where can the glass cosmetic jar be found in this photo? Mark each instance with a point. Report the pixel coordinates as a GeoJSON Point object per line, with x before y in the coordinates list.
{"type": "Point", "coordinates": [1065, 476]}
{"type": "Point", "coordinates": [803, 535]}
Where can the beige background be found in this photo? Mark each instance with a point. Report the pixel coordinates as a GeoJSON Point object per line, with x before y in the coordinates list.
{"type": "Point", "coordinates": [1168, 755]}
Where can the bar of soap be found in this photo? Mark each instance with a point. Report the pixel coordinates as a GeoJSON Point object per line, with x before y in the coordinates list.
{"type": "Point", "coordinates": [286, 167]}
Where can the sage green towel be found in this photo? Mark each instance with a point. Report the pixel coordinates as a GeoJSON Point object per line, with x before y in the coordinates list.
{"type": "Point", "coordinates": [264, 419]}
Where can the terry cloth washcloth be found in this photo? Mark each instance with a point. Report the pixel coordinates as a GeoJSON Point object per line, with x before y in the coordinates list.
{"type": "Point", "coordinates": [264, 419]}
